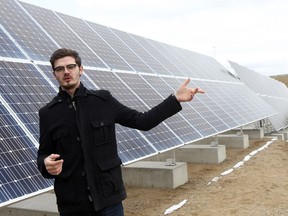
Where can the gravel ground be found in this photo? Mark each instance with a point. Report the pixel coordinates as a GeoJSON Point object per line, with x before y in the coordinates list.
{"type": "Point", "coordinates": [259, 187]}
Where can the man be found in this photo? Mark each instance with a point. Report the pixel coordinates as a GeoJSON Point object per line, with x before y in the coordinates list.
{"type": "Point", "coordinates": [78, 142]}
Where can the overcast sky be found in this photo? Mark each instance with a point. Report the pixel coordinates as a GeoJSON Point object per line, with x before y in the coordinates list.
{"type": "Point", "coordinates": [252, 33]}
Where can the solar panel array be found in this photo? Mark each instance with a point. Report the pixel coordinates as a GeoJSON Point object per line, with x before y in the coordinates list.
{"type": "Point", "coordinates": [139, 72]}
{"type": "Point", "coordinates": [270, 90]}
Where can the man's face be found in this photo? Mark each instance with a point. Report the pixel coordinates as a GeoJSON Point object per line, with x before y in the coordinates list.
{"type": "Point", "coordinates": [67, 73]}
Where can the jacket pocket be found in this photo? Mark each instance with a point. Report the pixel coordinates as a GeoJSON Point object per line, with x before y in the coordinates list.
{"type": "Point", "coordinates": [103, 131]}
{"type": "Point", "coordinates": [59, 137]}
{"type": "Point", "coordinates": [59, 133]}
{"type": "Point", "coordinates": [110, 176]}
{"type": "Point", "coordinates": [65, 192]}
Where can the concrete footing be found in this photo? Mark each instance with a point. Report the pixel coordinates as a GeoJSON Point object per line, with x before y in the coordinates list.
{"type": "Point", "coordinates": [41, 205]}
{"type": "Point", "coordinates": [194, 153]}
{"type": "Point", "coordinates": [280, 136]}
{"type": "Point", "coordinates": [229, 140]}
{"type": "Point", "coordinates": [285, 134]}
{"type": "Point", "coordinates": [155, 174]}
{"type": "Point", "coordinates": [201, 153]}
{"type": "Point", "coordinates": [257, 133]}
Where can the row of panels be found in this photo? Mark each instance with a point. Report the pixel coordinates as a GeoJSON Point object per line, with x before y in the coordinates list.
{"type": "Point", "coordinates": [31, 32]}
{"type": "Point", "coordinates": [270, 90]}
{"type": "Point", "coordinates": [139, 72]}
{"type": "Point", "coordinates": [26, 87]}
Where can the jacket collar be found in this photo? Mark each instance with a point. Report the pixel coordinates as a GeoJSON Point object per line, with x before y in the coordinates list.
{"type": "Point", "coordinates": [79, 92]}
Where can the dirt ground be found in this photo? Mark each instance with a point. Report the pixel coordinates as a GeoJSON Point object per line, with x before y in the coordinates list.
{"type": "Point", "coordinates": [258, 188]}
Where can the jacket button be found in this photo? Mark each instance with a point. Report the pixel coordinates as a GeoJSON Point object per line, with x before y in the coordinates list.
{"type": "Point", "coordinates": [101, 123]}
{"type": "Point", "coordinates": [78, 139]}
{"type": "Point", "coordinates": [70, 106]}
{"type": "Point", "coordinates": [83, 173]}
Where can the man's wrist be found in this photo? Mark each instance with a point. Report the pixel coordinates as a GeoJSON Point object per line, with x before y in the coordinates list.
{"type": "Point", "coordinates": [174, 96]}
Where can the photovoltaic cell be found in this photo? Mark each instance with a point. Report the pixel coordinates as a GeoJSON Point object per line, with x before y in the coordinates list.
{"type": "Point", "coordinates": [216, 92]}
{"type": "Point", "coordinates": [8, 48]}
{"type": "Point", "coordinates": [190, 113]}
{"type": "Point", "coordinates": [62, 34]}
{"type": "Point", "coordinates": [47, 70]}
{"type": "Point", "coordinates": [25, 91]}
{"type": "Point", "coordinates": [161, 136]}
{"type": "Point", "coordinates": [173, 62]}
{"type": "Point", "coordinates": [201, 66]}
{"type": "Point", "coordinates": [213, 103]}
{"type": "Point", "coordinates": [19, 176]}
{"type": "Point", "coordinates": [121, 48]}
{"type": "Point", "coordinates": [243, 101]}
{"type": "Point", "coordinates": [160, 57]}
{"type": "Point", "coordinates": [93, 40]}
{"type": "Point", "coordinates": [207, 112]}
{"type": "Point", "coordinates": [141, 52]}
{"type": "Point", "coordinates": [25, 32]}
{"type": "Point", "coordinates": [264, 86]}
{"type": "Point", "coordinates": [270, 90]}
{"type": "Point", "coordinates": [182, 128]}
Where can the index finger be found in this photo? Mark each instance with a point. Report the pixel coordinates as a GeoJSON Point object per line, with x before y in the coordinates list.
{"type": "Point", "coordinates": [185, 83]}
{"type": "Point", "coordinates": [199, 90]}
{"type": "Point", "coordinates": [54, 156]}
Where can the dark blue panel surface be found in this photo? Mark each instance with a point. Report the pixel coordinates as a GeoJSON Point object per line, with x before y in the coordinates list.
{"type": "Point", "coordinates": [25, 31]}
{"type": "Point", "coordinates": [162, 137]}
{"type": "Point", "coordinates": [26, 91]}
{"type": "Point", "coordinates": [142, 52]}
{"type": "Point", "coordinates": [8, 48]}
{"type": "Point", "coordinates": [97, 44]}
{"type": "Point", "coordinates": [181, 126]}
{"type": "Point", "coordinates": [19, 175]}
{"type": "Point", "coordinates": [121, 48]}
{"type": "Point", "coordinates": [270, 90]}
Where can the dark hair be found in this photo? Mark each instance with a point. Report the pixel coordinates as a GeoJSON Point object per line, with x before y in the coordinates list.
{"type": "Point", "coordinates": [63, 52]}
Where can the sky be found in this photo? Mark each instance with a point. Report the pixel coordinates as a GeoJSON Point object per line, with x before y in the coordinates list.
{"type": "Point", "coordinates": [252, 33]}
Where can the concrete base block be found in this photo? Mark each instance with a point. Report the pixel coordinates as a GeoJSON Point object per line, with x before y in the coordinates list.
{"type": "Point", "coordinates": [229, 140]}
{"type": "Point", "coordinates": [257, 133]}
{"type": "Point", "coordinates": [194, 153]}
{"type": "Point", "coordinates": [201, 153]}
{"type": "Point", "coordinates": [280, 136]}
{"type": "Point", "coordinates": [285, 134]}
{"type": "Point", "coordinates": [155, 174]}
{"type": "Point", "coordinates": [44, 204]}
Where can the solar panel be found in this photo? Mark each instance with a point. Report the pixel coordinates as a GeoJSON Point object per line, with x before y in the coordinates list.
{"type": "Point", "coordinates": [7, 47]}
{"type": "Point", "coordinates": [162, 136]}
{"type": "Point", "coordinates": [165, 56]}
{"type": "Point", "coordinates": [141, 52]}
{"type": "Point", "coordinates": [25, 32]}
{"type": "Point", "coordinates": [98, 44]}
{"type": "Point", "coordinates": [120, 47]}
{"type": "Point", "coordinates": [25, 91]}
{"type": "Point", "coordinates": [190, 113]}
{"type": "Point", "coordinates": [181, 126]}
{"type": "Point", "coordinates": [270, 90]}
{"type": "Point", "coordinates": [234, 102]}
{"type": "Point", "coordinates": [62, 34]}
{"type": "Point", "coordinates": [19, 176]}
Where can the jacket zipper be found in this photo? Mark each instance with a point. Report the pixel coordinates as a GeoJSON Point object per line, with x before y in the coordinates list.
{"type": "Point", "coordinates": [87, 166]}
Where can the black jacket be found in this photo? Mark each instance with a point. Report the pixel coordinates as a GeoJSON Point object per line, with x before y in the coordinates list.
{"type": "Point", "coordinates": [82, 130]}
